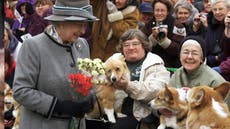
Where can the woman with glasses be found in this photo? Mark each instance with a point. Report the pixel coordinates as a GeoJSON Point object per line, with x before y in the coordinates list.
{"type": "Point", "coordinates": [165, 33]}
{"type": "Point", "coordinates": [148, 76]}
{"type": "Point", "coordinates": [193, 71]}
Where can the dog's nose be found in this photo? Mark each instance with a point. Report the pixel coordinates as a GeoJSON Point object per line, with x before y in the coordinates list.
{"type": "Point", "coordinates": [113, 79]}
{"type": "Point", "coordinates": [149, 104]}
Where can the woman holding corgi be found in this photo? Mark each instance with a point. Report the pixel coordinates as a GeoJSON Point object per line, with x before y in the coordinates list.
{"type": "Point", "coordinates": [148, 76]}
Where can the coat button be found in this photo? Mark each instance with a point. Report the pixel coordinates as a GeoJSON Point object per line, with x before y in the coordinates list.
{"type": "Point", "coordinates": [72, 65]}
{"type": "Point", "coordinates": [68, 49]}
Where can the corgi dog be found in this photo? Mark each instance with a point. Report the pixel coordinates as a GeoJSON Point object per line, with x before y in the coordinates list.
{"type": "Point", "coordinates": [110, 99]}
{"type": "Point", "coordinates": [207, 109]}
{"type": "Point", "coordinates": [174, 100]}
{"type": "Point", "coordinates": [10, 103]}
{"type": "Point", "coordinates": [8, 98]}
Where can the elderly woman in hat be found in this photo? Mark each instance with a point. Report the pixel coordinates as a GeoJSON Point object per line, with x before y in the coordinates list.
{"type": "Point", "coordinates": [194, 71]}
{"type": "Point", "coordinates": [41, 85]}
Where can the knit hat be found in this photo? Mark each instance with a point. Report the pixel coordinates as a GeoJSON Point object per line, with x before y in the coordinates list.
{"type": "Point", "coordinates": [72, 10]}
{"type": "Point", "coordinates": [146, 7]}
{"type": "Point", "coordinates": [198, 40]}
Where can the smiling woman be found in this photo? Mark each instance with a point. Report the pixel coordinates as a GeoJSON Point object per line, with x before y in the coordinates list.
{"type": "Point", "coordinates": [183, 11]}
{"type": "Point", "coordinates": [148, 76]}
{"type": "Point", "coordinates": [191, 55]}
{"type": "Point", "coordinates": [215, 32]}
{"type": "Point", "coordinates": [162, 31]}
{"type": "Point", "coordinates": [70, 31]}
{"type": "Point", "coordinates": [194, 71]}
{"type": "Point", "coordinates": [45, 61]}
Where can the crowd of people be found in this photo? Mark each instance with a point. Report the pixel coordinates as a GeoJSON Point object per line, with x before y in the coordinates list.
{"type": "Point", "coordinates": [180, 43]}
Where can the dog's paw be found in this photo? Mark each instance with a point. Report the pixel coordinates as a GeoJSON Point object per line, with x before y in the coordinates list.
{"type": "Point", "coordinates": [121, 115]}
{"type": "Point", "coordinates": [110, 115]}
{"type": "Point", "coordinates": [204, 127]}
{"type": "Point", "coordinates": [161, 126]}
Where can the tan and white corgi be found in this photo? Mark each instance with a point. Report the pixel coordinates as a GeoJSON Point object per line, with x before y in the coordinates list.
{"type": "Point", "coordinates": [173, 100]}
{"type": "Point", "coordinates": [110, 99]}
{"type": "Point", "coordinates": [207, 109]}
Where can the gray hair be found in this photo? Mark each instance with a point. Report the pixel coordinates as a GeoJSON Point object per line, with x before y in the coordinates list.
{"type": "Point", "coordinates": [131, 34]}
{"type": "Point", "coordinates": [183, 4]}
{"type": "Point", "coordinates": [226, 2]}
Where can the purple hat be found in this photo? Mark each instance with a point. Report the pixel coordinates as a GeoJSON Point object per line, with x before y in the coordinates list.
{"type": "Point", "coordinates": [146, 7]}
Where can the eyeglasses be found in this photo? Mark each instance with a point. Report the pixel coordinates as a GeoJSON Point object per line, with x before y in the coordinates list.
{"type": "Point", "coordinates": [193, 53]}
{"type": "Point", "coordinates": [128, 44]}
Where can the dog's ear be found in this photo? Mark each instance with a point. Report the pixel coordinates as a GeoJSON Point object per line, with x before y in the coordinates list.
{"type": "Point", "coordinates": [223, 89]}
{"type": "Point", "coordinates": [118, 56]}
{"type": "Point", "coordinates": [168, 94]}
{"type": "Point", "coordinates": [122, 57]}
{"type": "Point", "coordinates": [199, 96]}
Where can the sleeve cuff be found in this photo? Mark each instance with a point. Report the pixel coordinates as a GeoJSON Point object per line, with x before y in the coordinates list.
{"type": "Point", "coordinates": [165, 44]}
{"type": "Point", "coordinates": [115, 16]}
{"type": "Point", "coordinates": [152, 40]}
{"type": "Point", "coordinates": [50, 112]}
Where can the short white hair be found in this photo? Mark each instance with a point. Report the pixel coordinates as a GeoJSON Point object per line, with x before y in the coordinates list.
{"type": "Point", "coordinates": [226, 2]}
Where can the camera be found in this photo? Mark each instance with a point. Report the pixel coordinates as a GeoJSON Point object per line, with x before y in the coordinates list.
{"type": "Point", "coordinates": [200, 15]}
{"type": "Point", "coordinates": [161, 34]}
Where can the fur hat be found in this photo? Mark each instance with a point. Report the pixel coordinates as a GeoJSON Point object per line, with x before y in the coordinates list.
{"type": "Point", "coordinates": [72, 10]}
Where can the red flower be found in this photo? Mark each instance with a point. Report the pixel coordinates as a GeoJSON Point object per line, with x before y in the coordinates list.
{"type": "Point", "coordinates": [81, 83]}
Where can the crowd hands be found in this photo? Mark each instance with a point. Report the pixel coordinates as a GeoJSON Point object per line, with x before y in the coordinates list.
{"type": "Point", "coordinates": [166, 30]}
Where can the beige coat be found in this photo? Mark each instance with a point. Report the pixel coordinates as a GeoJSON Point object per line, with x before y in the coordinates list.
{"type": "Point", "coordinates": [153, 78]}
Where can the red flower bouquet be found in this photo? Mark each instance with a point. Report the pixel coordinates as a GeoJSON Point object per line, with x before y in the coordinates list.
{"type": "Point", "coordinates": [91, 73]}
{"type": "Point", "coordinates": [81, 83]}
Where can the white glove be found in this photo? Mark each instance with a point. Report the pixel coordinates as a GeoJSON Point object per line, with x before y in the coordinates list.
{"type": "Point", "coordinates": [111, 7]}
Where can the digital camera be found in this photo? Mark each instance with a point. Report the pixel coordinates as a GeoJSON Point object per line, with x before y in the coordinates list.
{"type": "Point", "coordinates": [161, 34]}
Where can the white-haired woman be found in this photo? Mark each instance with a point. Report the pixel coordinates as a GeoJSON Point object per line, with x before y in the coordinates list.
{"type": "Point", "coordinates": [41, 85]}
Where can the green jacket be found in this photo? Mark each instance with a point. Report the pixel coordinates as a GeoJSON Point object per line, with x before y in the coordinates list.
{"type": "Point", "coordinates": [202, 76]}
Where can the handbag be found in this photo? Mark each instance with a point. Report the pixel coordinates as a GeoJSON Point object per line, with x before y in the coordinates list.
{"type": "Point", "coordinates": [100, 123]}
{"type": "Point", "coordinates": [97, 124]}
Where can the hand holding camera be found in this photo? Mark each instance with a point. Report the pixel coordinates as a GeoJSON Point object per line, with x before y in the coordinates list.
{"type": "Point", "coordinates": [199, 19]}
{"type": "Point", "coordinates": [160, 32]}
